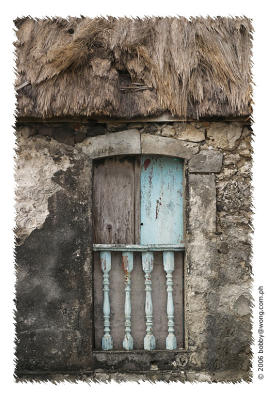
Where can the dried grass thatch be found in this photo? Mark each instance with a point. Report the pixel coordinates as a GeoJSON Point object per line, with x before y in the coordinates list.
{"type": "Point", "coordinates": [125, 68]}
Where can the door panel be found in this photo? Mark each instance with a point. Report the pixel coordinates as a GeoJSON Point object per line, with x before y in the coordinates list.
{"type": "Point", "coordinates": [161, 200]}
{"type": "Point", "coordinates": [115, 190]}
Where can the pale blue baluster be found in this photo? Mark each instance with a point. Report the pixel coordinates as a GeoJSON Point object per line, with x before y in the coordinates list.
{"type": "Point", "coordinates": [168, 260]}
{"type": "Point", "coordinates": [147, 265]}
{"type": "Point", "coordinates": [127, 259]}
{"type": "Point", "coordinates": [105, 258]}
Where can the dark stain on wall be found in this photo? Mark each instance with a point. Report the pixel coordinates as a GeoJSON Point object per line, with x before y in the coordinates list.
{"type": "Point", "coordinates": [54, 280]}
{"type": "Point", "coordinates": [228, 339]}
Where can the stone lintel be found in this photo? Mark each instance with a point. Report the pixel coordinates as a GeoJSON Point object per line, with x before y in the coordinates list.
{"type": "Point", "coordinates": [152, 144]}
{"type": "Point", "coordinates": [112, 144]}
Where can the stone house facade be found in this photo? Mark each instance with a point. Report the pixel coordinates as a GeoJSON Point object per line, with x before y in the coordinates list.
{"type": "Point", "coordinates": [55, 157]}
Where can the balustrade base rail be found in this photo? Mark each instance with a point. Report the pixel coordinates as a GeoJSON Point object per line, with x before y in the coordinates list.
{"type": "Point", "coordinates": [127, 353]}
{"type": "Point", "coordinates": [137, 360]}
{"type": "Point", "coordinates": [147, 252]}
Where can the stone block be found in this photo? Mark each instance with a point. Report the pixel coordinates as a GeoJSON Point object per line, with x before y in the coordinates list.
{"type": "Point", "coordinates": [224, 135]}
{"type": "Point", "coordinates": [202, 216]}
{"type": "Point", "coordinates": [190, 133]}
{"type": "Point", "coordinates": [244, 148]}
{"type": "Point", "coordinates": [206, 161]}
{"type": "Point", "coordinates": [242, 306]}
{"type": "Point", "coordinates": [168, 131]}
{"type": "Point", "coordinates": [231, 159]}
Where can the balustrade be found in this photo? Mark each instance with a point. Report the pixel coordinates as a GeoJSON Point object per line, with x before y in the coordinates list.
{"type": "Point", "coordinates": [147, 265]}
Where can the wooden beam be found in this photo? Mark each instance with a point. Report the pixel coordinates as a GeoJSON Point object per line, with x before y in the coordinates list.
{"type": "Point", "coordinates": [138, 247]}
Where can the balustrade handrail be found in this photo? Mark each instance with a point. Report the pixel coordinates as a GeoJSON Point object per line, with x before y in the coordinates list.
{"type": "Point", "coordinates": [138, 247]}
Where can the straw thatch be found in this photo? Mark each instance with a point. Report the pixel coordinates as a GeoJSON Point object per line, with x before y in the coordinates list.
{"type": "Point", "coordinates": [125, 68]}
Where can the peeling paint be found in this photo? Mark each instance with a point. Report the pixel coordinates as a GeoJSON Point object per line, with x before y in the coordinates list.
{"type": "Point", "coordinates": [162, 200]}
{"type": "Point", "coordinates": [36, 165]}
{"type": "Point", "coordinates": [146, 163]}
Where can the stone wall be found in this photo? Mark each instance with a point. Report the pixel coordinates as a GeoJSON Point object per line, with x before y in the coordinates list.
{"type": "Point", "coordinates": [53, 259]}
{"type": "Point", "coordinates": [52, 192]}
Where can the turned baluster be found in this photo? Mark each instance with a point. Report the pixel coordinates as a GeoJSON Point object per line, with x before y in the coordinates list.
{"type": "Point", "coordinates": [127, 258]}
{"type": "Point", "coordinates": [105, 258]}
{"type": "Point", "coordinates": [168, 261]}
{"type": "Point", "coordinates": [147, 265]}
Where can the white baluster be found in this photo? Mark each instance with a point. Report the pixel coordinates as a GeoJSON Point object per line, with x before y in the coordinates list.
{"type": "Point", "coordinates": [147, 265]}
{"type": "Point", "coordinates": [105, 258]}
{"type": "Point", "coordinates": [127, 259]}
{"type": "Point", "coordinates": [168, 260]}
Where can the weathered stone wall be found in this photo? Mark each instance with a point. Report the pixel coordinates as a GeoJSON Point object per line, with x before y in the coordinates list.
{"type": "Point", "coordinates": [53, 259]}
{"type": "Point", "coordinates": [52, 200]}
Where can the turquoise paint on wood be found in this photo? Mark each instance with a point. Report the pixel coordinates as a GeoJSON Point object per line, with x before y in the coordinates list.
{"type": "Point", "coordinates": [147, 265]}
{"type": "Point", "coordinates": [127, 260]}
{"type": "Point", "coordinates": [161, 200]}
{"type": "Point", "coordinates": [168, 261]}
{"type": "Point", "coordinates": [105, 258]}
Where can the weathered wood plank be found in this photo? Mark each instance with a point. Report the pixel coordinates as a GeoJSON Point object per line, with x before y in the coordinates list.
{"type": "Point", "coordinates": [137, 198]}
{"type": "Point", "coordinates": [114, 200]}
{"type": "Point", "coordinates": [152, 144]}
{"type": "Point", "coordinates": [161, 200]}
{"type": "Point", "coordinates": [138, 247]}
{"type": "Point", "coordinates": [112, 144]}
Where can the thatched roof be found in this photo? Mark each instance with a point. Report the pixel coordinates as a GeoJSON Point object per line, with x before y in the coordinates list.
{"type": "Point", "coordinates": [125, 68]}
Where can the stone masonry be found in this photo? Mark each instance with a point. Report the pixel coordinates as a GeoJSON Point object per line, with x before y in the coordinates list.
{"type": "Point", "coordinates": [53, 254]}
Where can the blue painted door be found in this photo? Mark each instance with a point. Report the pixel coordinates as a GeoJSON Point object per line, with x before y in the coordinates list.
{"type": "Point", "coordinates": [161, 200]}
